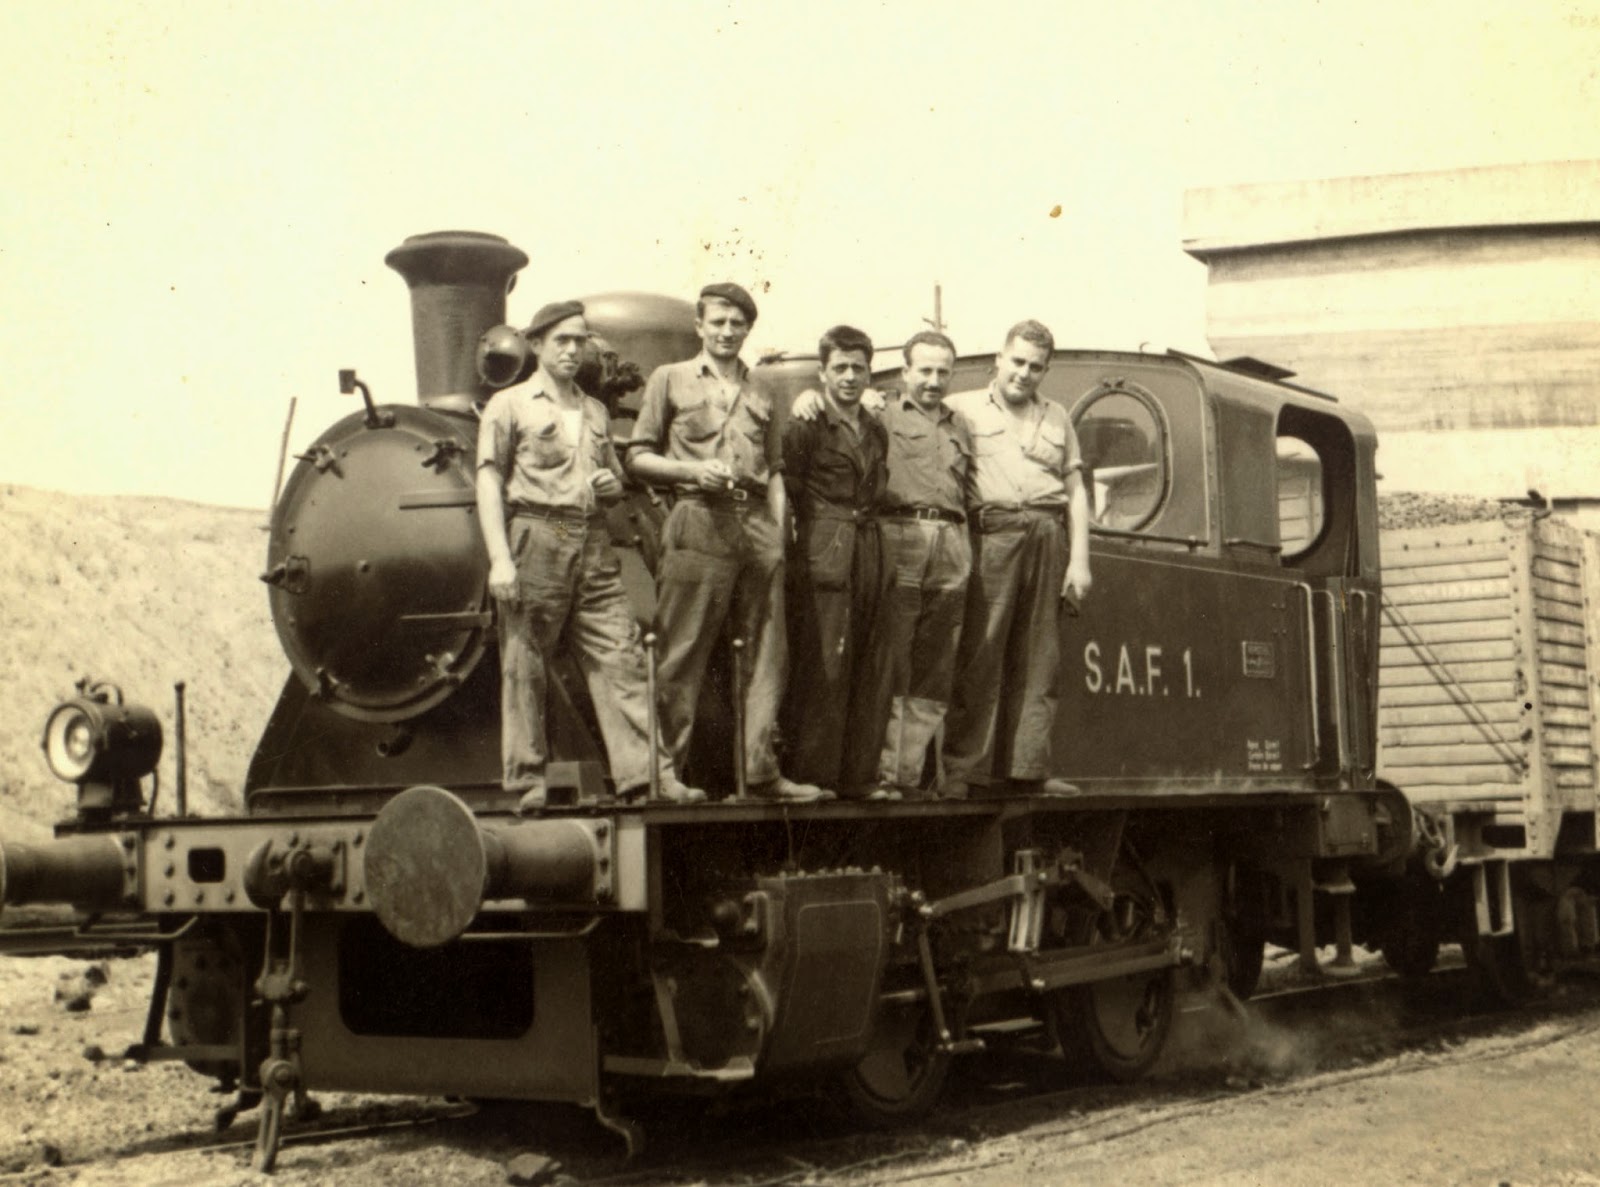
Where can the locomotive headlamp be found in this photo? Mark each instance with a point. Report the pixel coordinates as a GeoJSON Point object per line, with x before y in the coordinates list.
{"type": "Point", "coordinates": [70, 742]}
{"type": "Point", "coordinates": [103, 745]}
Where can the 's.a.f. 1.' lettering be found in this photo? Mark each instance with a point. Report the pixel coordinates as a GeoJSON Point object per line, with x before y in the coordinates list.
{"type": "Point", "coordinates": [1138, 672]}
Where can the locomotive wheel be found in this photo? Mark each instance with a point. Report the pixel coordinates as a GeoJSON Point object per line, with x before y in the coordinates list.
{"type": "Point", "coordinates": [902, 1076]}
{"type": "Point", "coordinates": [1119, 1027]}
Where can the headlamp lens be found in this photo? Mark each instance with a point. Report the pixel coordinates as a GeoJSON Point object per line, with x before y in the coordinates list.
{"type": "Point", "coordinates": [71, 742]}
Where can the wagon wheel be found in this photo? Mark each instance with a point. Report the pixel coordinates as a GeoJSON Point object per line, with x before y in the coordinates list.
{"type": "Point", "coordinates": [902, 1075]}
{"type": "Point", "coordinates": [1415, 927]}
{"type": "Point", "coordinates": [1243, 936]}
{"type": "Point", "coordinates": [1504, 969]}
{"type": "Point", "coordinates": [1119, 1026]}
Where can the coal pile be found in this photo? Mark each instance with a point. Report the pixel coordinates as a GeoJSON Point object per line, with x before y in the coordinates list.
{"type": "Point", "coordinates": [1408, 509]}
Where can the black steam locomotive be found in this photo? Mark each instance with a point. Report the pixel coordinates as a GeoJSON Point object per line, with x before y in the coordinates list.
{"type": "Point", "coordinates": [379, 921]}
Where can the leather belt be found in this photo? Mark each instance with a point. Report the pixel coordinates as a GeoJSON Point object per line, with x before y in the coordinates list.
{"type": "Point", "coordinates": [740, 498]}
{"type": "Point", "coordinates": [550, 511]}
{"type": "Point", "coordinates": [835, 511]}
{"type": "Point", "coordinates": [923, 513]}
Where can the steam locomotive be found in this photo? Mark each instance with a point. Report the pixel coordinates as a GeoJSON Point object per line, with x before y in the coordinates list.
{"type": "Point", "coordinates": [378, 920]}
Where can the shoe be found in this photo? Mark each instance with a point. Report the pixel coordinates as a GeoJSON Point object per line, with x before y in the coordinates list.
{"type": "Point", "coordinates": [1045, 787]}
{"type": "Point", "coordinates": [676, 791]}
{"type": "Point", "coordinates": [953, 789]}
{"type": "Point", "coordinates": [787, 791]}
{"type": "Point", "coordinates": [883, 794]}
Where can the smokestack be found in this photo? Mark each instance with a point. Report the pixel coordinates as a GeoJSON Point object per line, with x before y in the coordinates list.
{"type": "Point", "coordinates": [459, 281]}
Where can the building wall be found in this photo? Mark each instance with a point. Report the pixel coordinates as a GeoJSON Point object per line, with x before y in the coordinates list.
{"type": "Point", "coordinates": [1460, 311]}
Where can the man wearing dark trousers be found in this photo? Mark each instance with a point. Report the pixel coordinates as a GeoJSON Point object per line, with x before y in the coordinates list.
{"type": "Point", "coordinates": [1029, 516]}
{"type": "Point", "coordinates": [834, 466]}
{"type": "Point", "coordinates": [707, 432]}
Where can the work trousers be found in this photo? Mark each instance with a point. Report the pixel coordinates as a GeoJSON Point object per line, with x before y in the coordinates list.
{"type": "Point", "coordinates": [721, 565]}
{"type": "Point", "coordinates": [926, 567]}
{"type": "Point", "coordinates": [569, 591]}
{"type": "Point", "coordinates": [1011, 642]}
{"type": "Point", "coordinates": [833, 718]}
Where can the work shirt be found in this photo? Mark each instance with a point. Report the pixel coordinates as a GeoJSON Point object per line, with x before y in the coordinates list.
{"type": "Point", "coordinates": [1011, 468]}
{"type": "Point", "coordinates": [528, 441]}
{"type": "Point", "coordinates": [831, 464]}
{"type": "Point", "coordinates": [689, 414]}
{"type": "Point", "coordinates": [928, 456]}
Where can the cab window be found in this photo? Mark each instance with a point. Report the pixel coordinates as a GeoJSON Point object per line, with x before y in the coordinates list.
{"type": "Point", "coordinates": [1124, 449]}
{"type": "Point", "coordinates": [1301, 512]}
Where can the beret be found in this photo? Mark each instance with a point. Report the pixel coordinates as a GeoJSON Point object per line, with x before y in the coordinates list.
{"type": "Point", "coordinates": [733, 295]}
{"type": "Point", "coordinates": [549, 315]}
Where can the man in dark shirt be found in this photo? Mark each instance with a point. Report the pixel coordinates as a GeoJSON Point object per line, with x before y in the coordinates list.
{"type": "Point", "coordinates": [927, 560]}
{"type": "Point", "coordinates": [834, 469]}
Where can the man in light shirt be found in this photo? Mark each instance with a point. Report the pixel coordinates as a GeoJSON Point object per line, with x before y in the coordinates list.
{"type": "Point", "coordinates": [545, 465]}
{"type": "Point", "coordinates": [708, 433]}
{"type": "Point", "coordinates": [1029, 515]}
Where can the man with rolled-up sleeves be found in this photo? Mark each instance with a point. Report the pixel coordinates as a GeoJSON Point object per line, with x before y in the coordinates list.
{"type": "Point", "coordinates": [1029, 517]}
{"type": "Point", "coordinates": [707, 432]}
{"type": "Point", "coordinates": [927, 560]}
{"type": "Point", "coordinates": [545, 466]}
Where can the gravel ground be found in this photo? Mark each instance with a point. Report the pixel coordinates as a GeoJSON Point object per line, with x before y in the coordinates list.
{"type": "Point", "coordinates": [1338, 1098]}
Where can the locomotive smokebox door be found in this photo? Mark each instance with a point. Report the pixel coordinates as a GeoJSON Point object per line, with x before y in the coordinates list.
{"type": "Point", "coordinates": [377, 564]}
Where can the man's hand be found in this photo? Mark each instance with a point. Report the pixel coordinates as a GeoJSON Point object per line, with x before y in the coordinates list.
{"type": "Point", "coordinates": [605, 484]}
{"type": "Point", "coordinates": [503, 581]}
{"type": "Point", "coordinates": [714, 475]}
{"type": "Point", "coordinates": [807, 405]}
{"type": "Point", "coordinates": [1076, 586]}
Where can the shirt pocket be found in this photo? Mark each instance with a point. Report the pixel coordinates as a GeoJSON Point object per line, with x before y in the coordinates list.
{"type": "Point", "coordinates": [989, 442]}
{"type": "Point", "coordinates": [953, 452]}
{"type": "Point", "coordinates": [697, 423]}
{"type": "Point", "coordinates": [754, 422]}
{"type": "Point", "coordinates": [1049, 448]}
{"type": "Point", "coordinates": [594, 440]}
{"type": "Point", "coordinates": [547, 448]}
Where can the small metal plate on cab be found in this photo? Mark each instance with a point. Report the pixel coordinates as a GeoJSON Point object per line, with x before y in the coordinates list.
{"type": "Point", "coordinates": [425, 867]}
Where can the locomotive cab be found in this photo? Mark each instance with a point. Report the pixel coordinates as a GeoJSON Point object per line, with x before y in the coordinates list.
{"type": "Point", "coordinates": [1229, 645]}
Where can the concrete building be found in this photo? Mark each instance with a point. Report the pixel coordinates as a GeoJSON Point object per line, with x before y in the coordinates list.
{"type": "Point", "coordinates": [1459, 310]}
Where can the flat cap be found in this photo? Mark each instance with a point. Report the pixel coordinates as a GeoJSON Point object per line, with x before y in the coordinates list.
{"type": "Point", "coordinates": [733, 295]}
{"type": "Point", "coordinates": [549, 315]}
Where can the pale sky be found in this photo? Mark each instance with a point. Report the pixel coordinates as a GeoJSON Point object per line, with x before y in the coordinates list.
{"type": "Point", "coordinates": [197, 197]}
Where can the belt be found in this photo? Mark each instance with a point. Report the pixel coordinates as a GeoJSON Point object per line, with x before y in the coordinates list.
{"type": "Point", "coordinates": [981, 515]}
{"type": "Point", "coordinates": [737, 495]}
{"type": "Point", "coordinates": [731, 494]}
{"type": "Point", "coordinates": [562, 514]}
{"type": "Point", "coordinates": [819, 510]}
{"type": "Point", "coordinates": [923, 513]}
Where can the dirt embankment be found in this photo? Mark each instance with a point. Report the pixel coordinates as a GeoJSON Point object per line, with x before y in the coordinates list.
{"type": "Point", "coordinates": [144, 593]}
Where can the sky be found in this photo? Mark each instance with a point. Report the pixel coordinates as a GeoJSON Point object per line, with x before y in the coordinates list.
{"type": "Point", "coordinates": [198, 196]}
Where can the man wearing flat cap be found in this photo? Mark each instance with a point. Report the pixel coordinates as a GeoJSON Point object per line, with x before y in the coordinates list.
{"type": "Point", "coordinates": [707, 432]}
{"type": "Point", "coordinates": [545, 466]}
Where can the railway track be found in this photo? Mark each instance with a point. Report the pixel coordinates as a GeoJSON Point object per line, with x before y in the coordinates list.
{"type": "Point", "coordinates": [1296, 1040]}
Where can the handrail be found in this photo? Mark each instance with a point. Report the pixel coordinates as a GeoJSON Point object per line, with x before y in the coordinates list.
{"type": "Point", "coordinates": [1315, 680]}
{"type": "Point", "coordinates": [1336, 677]}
